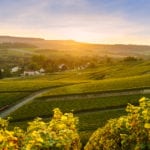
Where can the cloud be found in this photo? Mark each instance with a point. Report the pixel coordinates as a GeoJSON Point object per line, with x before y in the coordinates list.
{"type": "Point", "coordinates": [103, 21]}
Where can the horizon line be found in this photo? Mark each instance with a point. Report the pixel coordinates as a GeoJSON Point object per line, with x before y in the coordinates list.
{"type": "Point", "coordinates": [83, 42]}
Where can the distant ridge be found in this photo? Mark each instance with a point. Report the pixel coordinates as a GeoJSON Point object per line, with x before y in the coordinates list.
{"type": "Point", "coordinates": [28, 39]}
{"type": "Point", "coordinates": [70, 45]}
{"type": "Point", "coordinates": [40, 42]}
{"type": "Point", "coordinates": [17, 39]}
{"type": "Point", "coordinates": [11, 39]}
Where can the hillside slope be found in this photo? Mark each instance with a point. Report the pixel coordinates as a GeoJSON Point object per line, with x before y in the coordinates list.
{"type": "Point", "coordinates": [70, 45]}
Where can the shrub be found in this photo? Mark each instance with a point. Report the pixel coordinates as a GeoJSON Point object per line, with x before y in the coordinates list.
{"type": "Point", "coordinates": [130, 59]}
{"type": "Point", "coordinates": [130, 132]}
{"type": "Point", "coordinates": [59, 133]}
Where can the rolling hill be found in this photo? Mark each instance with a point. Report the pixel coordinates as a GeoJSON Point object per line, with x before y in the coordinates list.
{"type": "Point", "coordinates": [94, 94]}
{"type": "Point", "coordinates": [44, 46]}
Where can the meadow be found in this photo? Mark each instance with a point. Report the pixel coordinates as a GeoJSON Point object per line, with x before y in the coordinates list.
{"type": "Point", "coordinates": [92, 113]}
{"type": "Point", "coordinates": [12, 91]}
{"type": "Point", "coordinates": [69, 91]}
{"type": "Point", "coordinates": [43, 107]}
{"type": "Point", "coordinates": [136, 82]}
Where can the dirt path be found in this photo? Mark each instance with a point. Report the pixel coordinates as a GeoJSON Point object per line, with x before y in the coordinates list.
{"type": "Point", "coordinates": [97, 95]}
{"type": "Point", "coordinates": [71, 97]}
{"type": "Point", "coordinates": [23, 102]}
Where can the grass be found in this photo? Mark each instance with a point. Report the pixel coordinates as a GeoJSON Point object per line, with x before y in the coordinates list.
{"type": "Point", "coordinates": [43, 108]}
{"type": "Point", "coordinates": [92, 112]}
{"type": "Point", "coordinates": [103, 85]}
{"type": "Point", "coordinates": [103, 71]}
{"type": "Point", "coordinates": [117, 70]}
{"type": "Point", "coordinates": [83, 80]}
{"type": "Point", "coordinates": [11, 98]}
{"type": "Point", "coordinates": [93, 120]}
{"type": "Point", "coordinates": [10, 94]}
{"type": "Point", "coordinates": [13, 90]}
{"type": "Point", "coordinates": [31, 86]}
{"type": "Point", "coordinates": [88, 122]}
{"type": "Point", "coordinates": [135, 74]}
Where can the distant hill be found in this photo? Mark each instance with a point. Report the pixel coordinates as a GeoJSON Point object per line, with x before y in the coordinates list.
{"type": "Point", "coordinates": [10, 39]}
{"type": "Point", "coordinates": [42, 43]}
{"type": "Point", "coordinates": [70, 45]}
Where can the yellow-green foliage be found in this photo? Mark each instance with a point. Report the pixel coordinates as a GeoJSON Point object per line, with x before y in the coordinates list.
{"type": "Point", "coordinates": [131, 132]}
{"type": "Point", "coordinates": [59, 133]}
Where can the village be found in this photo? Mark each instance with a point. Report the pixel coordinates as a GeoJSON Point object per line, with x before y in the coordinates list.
{"type": "Point", "coordinates": [18, 71]}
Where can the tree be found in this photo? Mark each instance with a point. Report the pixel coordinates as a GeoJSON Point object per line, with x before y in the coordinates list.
{"type": "Point", "coordinates": [130, 59]}
{"type": "Point", "coordinates": [33, 66]}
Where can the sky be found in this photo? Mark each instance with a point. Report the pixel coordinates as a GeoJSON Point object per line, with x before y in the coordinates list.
{"type": "Point", "coordinates": [93, 21]}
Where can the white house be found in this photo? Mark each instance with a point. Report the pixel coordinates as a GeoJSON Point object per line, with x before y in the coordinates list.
{"type": "Point", "coordinates": [31, 73]}
{"type": "Point", "coordinates": [15, 69]}
{"type": "Point", "coordinates": [62, 67]}
{"type": "Point", "coordinates": [37, 72]}
{"type": "Point", "coordinates": [41, 70]}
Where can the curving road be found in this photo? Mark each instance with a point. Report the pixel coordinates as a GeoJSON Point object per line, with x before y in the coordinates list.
{"type": "Point", "coordinates": [97, 95]}
{"type": "Point", "coordinates": [28, 99]}
{"type": "Point", "coordinates": [22, 102]}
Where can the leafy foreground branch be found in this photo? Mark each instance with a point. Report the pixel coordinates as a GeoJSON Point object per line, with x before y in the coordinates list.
{"type": "Point", "coordinates": [131, 132]}
{"type": "Point", "coordinates": [58, 134]}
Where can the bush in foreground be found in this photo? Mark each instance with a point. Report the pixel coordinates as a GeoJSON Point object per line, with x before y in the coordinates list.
{"type": "Point", "coordinates": [131, 132]}
{"type": "Point", "coordinates": [58, 134]}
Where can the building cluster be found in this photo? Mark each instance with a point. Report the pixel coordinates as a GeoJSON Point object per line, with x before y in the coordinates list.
{"type": "Point", "coordinates": [29, 72]}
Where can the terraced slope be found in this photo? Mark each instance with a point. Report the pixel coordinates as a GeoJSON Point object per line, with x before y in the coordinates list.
{"type": "Point", "coordinates": [94, 100]}
{"type": "Point", "coordinates": [92, 112]}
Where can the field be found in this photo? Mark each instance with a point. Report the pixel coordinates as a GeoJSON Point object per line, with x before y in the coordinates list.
{"type": "Point", "coordinates": [11, 91]}
{"type": "Point", "coordinates": [92, 113]}
{"type": "Point", "coordinates": [103, 85]}
{"type": "Point", "coordinates": [63, 87]}
{"type": "Point", "coordinates": [7, 99]}
{"type": "Point", "coordinates": [88, 93]}
{"type": "Point", "coordinates": [81, 82]}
